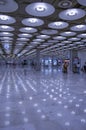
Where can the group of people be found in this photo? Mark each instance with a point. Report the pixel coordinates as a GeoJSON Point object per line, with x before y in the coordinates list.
{"type": "Point", "coordinates": [84, 67]}
{"type": "Point", "coordinates": [76, 67]}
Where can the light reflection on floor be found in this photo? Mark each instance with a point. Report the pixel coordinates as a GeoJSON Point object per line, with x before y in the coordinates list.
{"type": "Point", "coordinates": [42, 100]}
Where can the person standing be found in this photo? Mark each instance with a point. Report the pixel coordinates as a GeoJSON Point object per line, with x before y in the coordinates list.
{"type": "Point", "coordinates": [78, 67]}
{"type": "Point", "coordinates": [65, 67]}
{"type": "Point", "coordinates": [85, 67]}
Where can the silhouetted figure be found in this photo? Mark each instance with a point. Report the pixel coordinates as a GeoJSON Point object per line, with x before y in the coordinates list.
{"type": "Point", "coordinates": [24, 63]}
{"type": "Point", "coordinates": [85, 67]}
{"type": "Point", "coordinates": [78, 67]}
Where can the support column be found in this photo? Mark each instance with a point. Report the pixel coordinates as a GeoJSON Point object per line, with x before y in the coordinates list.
{"type": "Point", "coordinates": [73, 55]}
{"type": "Point", "coordinates": [52, 60]}
{"type": "Point", "coordinates": [38, 64]}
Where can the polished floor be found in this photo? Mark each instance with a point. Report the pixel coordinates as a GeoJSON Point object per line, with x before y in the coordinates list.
{"type": "Point", "coordinates": [46, 100]}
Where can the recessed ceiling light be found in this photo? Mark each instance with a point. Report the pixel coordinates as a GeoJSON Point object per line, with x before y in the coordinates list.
{"type": "Point", "coordinates": [5, 19]}
{"type": "Point", "coordinates": [40, 9]}
{"type": "Point", "coordinates": [6, 41]}
{"type": "Point", "coordinates": [66, 42]}
{"type": "Point", "coordinates": [6, 34]}
{"type": "Point", "coordinates": [78, 42]}
{"type": "Point", "coordinates": [25, 35]}
{"type": "Point", "coordinates": [8, 6]}
{"type": "Point", "coordinates": [59, 38]}
{"type": "Point", "coordinates": [58, 25]}
{"type": "Point", "coordinates": [34, 42]}
{"type": "Point", "coordinates": [83, 35]}
{"type": "Point", "coordinates": [65, 4]}
{"type": "Point", "coordinates": [6, 38]}
{"type": "Point", "coordinates": [74, 39]}
{"type": "Point", "coordinates": [68, 33]}
{"type": "Point", "coordinates": [38, 40]}
{"type": "Point", "coordinates": [23, 39]}
{"type": "Point", "coordinates": [6, 28]}
{"type": "Point", "coordinates": [82, 2]}
{"type": "Point", "coordinates": [53, 41]}
{"type": "Point", "coordinates": [81, 45]}
{"type": "Point", "coordinates": [43, 36]}
{"type": "Point", "coordinates": [72, 14]}
{"type": "Point", "coordinates": [49, 32]}
{"type": "Point", "coordinates": [81, 27]}
{"type": "Point", "coordinates": [32, 22]}
{"type": "Point", "coordinates": [28, 30]}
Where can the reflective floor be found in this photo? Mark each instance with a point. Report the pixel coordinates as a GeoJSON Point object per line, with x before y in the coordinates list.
{"type": "Point", "coordinates": [46, 100]}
